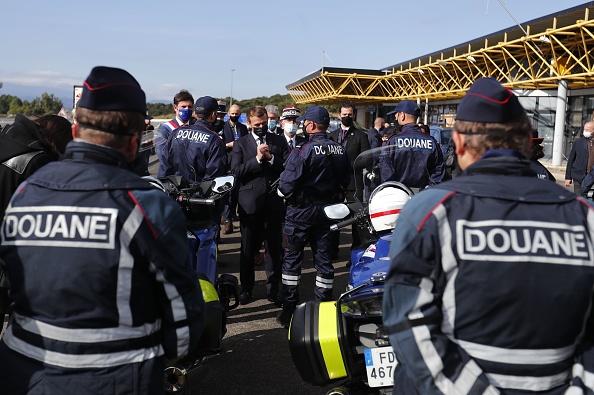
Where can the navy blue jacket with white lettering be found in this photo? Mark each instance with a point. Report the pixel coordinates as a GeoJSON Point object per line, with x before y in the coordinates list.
{"type": "Point", "coordinates": [490, 285]}
{"type": "Point", "coordinates": [319, 168]}
{"type": "Point", "coordinates": [96, 258]}
{"type": "Point", "coordinates": [416, 160]}
{"type": "Point", "coordinates": [196, 153]}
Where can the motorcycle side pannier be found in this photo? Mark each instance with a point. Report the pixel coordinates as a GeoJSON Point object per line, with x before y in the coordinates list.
{"type": "Point", "coordinates": [314, 343]}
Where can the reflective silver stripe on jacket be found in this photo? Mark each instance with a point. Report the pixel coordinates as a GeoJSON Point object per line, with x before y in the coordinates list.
{"type": "Point", "coordinates": [80, 361]}
{"type": "Point", "coordinates": [516, 356]}
{"type": "Point", "coordinates": [86, 335]}
{"type": "Point", "coordinates": [125, 266]}
{"type": "Point", "coordinates": [178, 311]}
{"type": "Point", "coordinates": [526, 383]}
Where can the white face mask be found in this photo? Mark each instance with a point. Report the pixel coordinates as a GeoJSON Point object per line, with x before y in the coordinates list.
{"type": "Point", "coordinates": [290, 129]}
{"type": "Point", "coordinates": [587, 134]}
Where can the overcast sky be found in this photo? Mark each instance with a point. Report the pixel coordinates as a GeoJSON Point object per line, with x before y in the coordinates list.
{"type": "Point", "coordinates": [194, 45]}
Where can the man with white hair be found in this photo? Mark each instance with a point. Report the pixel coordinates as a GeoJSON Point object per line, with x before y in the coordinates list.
{"type": "Point", "coordinates": [273, 120]}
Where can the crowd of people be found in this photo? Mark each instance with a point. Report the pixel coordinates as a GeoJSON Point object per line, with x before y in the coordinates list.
{"type": "Point", "coordinates": [491, 278]}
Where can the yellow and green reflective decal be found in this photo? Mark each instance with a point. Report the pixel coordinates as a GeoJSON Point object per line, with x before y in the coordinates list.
{"type": "Point", "coordinates": [328, 335]}
{"type": "Point", "coordinates": [209, 293]}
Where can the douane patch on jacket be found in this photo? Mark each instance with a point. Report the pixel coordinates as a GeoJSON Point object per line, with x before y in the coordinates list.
{"type": "Point", "coordinates": [410, 142]}
{"type": "Point", "coordinates": [193, 135]}
{"type": "Point", "coordinates": [523, 241]}
{"type": "Point", "coordinates": [60, 226]}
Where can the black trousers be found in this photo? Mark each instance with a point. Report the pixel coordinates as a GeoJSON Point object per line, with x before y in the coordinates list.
{"type": "Point", "coordinates": [257, 228]}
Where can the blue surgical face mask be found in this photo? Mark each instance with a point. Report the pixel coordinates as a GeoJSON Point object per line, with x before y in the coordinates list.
{"type": "Point", "coordinates": [271, 124]}
{"type": "Point", "coordinates": [184, 114]}
{"type": "Point", "coordinates": [290, 129]}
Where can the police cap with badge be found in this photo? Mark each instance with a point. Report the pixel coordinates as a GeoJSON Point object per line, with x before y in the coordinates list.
{"type": "Point", "coordinates": [112, 89]}
{"type": "Point", "coordinates": [290, 112]}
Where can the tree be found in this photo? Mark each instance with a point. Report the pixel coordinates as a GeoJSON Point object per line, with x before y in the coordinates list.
{"type": "Point", "coordinates": [15, 106]}
{"type": "Point", "coordinates": [47, 104]}
{"type": "Point", "coordinates": [160, 110]}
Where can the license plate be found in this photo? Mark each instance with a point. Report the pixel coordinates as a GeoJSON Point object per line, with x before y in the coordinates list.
{"type": "Point", "coordinates": [380, 363]}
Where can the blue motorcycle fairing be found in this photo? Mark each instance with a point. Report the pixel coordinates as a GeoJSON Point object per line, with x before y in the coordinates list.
{"type": "Point", "coordinates": [203, 251]}
{"type": "Point", "coordinates": [370, 263]}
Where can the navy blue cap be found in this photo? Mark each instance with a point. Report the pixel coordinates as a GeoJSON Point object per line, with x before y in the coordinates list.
{"type": "Point", "coordinates": [489, 102]}
{"type": "Point", "coordinates": [407, 107]}
{"type": "Point", "coordinates": [112, 89]}
{"type": "Point", "coordinates": [317, 114]}
{"type": "Point", "coordinates": [206, 105]}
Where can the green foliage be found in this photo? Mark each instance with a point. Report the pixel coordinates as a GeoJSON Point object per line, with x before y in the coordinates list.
{"type": "Point", "coordinates": [48, 104]}
{"type": "Point", "coordinates": [44, 105]}
{"type": "Point", "coordinates": [163, 110]}
{"type": "Point", "coordinates": [281, 101]}
{"type": "Point", "coordinates": [160, 110]}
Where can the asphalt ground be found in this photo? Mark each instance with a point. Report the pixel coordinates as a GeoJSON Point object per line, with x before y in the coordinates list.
{"type": "Point", "coordinates": [256, 357]}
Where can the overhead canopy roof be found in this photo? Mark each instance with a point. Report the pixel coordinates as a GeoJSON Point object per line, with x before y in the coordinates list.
{"type": "Point", "coordinates": [548, 49]}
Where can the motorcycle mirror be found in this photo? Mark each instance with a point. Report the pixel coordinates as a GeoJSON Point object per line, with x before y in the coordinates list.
{"type": "Point", "coordinates": [337, 211]}
{"type": "Point", "coordinates": [223, 184]}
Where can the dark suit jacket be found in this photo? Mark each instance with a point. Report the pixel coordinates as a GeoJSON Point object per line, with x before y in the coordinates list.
{"type": "Point", "coordinates": [254, 178]}
{"type": "Point", "coordinates": [228, 131]}
{"type": "Point", "coordinates": [577, 161]}
{"type": "Point", "coordinates": [374, 137]}
{"type": "Point", "coordinates": [228, 136]}
{"type": "Point", "coordinates": [355, 142]}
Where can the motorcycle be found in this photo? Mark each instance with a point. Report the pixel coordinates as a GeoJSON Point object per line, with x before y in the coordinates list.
{"type": "Point", "coordinates": [202, 204]}
{"type": "Point", "coordinates": [346, 340]}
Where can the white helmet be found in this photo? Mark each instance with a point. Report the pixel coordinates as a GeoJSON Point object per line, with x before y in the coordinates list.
{"type": "Point", "coordinates": [385, 204]}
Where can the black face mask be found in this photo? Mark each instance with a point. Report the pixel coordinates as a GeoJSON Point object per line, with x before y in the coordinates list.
{"type": "Point", "coordinates": [260, 132]}
{"type": "Point", "coordinates": [217, 125]}
{"type": "Point", "coordinates": [347, 121]}
{"type": "Point", "coordinates": [234, 118]}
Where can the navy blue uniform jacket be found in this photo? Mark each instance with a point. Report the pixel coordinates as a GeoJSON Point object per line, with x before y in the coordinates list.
{"type": "Point", "coordinates": [490, 284]}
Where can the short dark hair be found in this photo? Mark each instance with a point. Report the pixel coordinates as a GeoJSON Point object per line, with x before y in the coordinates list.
{"type": "Point", "coordinates": [257, 111]}
{"type": "Point", "coordinates": [347, 104]}
{"type": "Point", "coordinates": [110, 120]}
{"type": "Point", "coordinates": [56, 130]}
{"type": "Point", "coordinates": [183, 95]}
{"type": "Point", "coordinates": [480, 137]}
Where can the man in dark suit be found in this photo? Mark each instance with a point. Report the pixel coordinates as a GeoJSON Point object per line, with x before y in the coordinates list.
{"type": "Point", "coordinates": [232, 130]}
{"type": "Point", "coordinates": [257, 161]}
{"type": "Point", "coordinates": [579, 162]}
{"type": "Point", "coordinates": [354, 141]}
{"type": "Point", "coordinates": [273, 124]}
{"type": "Point", "coordinates": [374, 134]}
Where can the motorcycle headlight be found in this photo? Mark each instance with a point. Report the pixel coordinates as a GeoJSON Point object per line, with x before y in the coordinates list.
{"type": "Point", "coordinates": [369, 307]}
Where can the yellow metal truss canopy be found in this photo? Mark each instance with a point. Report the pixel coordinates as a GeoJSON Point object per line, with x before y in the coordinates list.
{"type": "Point", "coordinates": [545, 51]}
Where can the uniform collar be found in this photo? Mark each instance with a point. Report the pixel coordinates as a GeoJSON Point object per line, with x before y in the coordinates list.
{"type": "Point", "coordinates": [81, 150]}
{"type": "Point", "coordinates": [318, 136]}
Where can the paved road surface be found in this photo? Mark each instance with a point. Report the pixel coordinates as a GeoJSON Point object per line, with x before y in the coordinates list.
{"type": "Point", "coordinates": [256, 359]}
